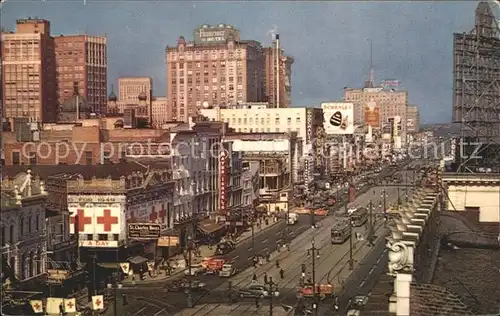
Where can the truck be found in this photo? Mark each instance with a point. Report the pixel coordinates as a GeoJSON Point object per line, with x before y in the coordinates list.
{"type": "Point", "coordinates": [293, 218]}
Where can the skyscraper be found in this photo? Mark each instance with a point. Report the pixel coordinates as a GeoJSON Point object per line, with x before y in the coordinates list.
{"type": "Point", "coordinates": [29, 73]}
{"type": "Point", "coordinates": [216, 69]}
{"type": "Point", "coordinates": [283, 78]}
{"type": "Point", "coordinates": [82, 59]}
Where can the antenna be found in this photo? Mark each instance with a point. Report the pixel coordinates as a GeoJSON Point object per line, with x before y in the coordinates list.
{"type": "Point", "coordinates": [372, 71]}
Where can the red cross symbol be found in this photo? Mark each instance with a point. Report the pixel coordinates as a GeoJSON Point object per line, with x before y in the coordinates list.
{"type": "Point", "coordinates": [154, 215]}
{"type": "Point", "coordinates": [124, 267]}
{"type": "Point", "coordinates": [37, 307]}
{"type": "Point", "coordinates": [163, 213]}
{"type": "Point", "coordinates": [70, 304]}
{"type": "Point", "coordinates": [107, 220]}
{"type": "Point", "coordinates": [82, 220]}
{"type": "Point", "coordinates": [132, 218]}
{"type": "Point", "coordinates": [98, 302]}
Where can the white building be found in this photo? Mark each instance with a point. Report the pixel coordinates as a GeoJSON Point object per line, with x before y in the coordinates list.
{"type": "Point", "coordinates": [23, 227]}
{"type": "Point", "coordinates": [306, 122]}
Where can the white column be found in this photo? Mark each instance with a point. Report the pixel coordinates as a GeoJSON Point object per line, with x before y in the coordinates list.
{"type": "Point", "coordinates": [402, 289]}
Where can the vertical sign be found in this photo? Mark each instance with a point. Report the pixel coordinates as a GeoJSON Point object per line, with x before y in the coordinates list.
{"type": "Point", "coordinates": [223, 180]}
{"type": "Point", "coordinates": [372, 113]}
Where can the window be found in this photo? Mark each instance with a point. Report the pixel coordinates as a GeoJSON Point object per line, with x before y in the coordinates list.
{"type": "Point", "coordinates": [289, 121]}
{"type": "Point", "coordinates": [3, 236]}
{"type": "Point", "coordinates": [88, 157]}
{"type": "Point", "coordinates": [16, 158]}
{"type": "Point", "coordinates": [277, 121]}
{"type": "Point", "coordinates": [29, 225]}
{"type": "Point", "coordinates": [21, 228]}
{"type": "Point", "coordinates": [37, 222]}
{"type": "Point", "coordinates": [11, 233]}
{"type": "Point", "coordinates": [32, 158]}
{"type": "Point", "coordinates": [106, 158]}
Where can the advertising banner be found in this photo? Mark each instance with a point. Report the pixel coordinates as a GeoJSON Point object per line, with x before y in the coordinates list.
{"type": "Point", "coordinates": [338, 118]}
{"type": "Point", "coordinates": [372, 114]}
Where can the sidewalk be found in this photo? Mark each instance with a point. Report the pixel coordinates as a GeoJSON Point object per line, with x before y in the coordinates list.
{"type": "Point", "coordinates": [205, 251]}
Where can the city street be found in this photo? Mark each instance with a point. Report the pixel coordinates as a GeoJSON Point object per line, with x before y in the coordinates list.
{"type": "Point", "coordinates": [330, 267]}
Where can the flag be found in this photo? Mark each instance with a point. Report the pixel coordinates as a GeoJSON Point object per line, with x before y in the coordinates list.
{"type": "Point", "coordinates": [125, 267]}
{"type": "Point", "coordinates": [70, 305]}
{"type": "Point", "coordinates": [53, 304]}
{"type": "Point", "coordinates": [97, 302]}
{"type": "Point", "coordinates": [151, 265]}
{"type": "Point", "coordinates": [37, 306]}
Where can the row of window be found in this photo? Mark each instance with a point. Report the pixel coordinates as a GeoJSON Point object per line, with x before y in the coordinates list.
{"type": "Point", "coordinates": [221, 64]}
{"type": "Point", "coordinates": [22, 229]}
{"type": "Point", "coordinates": [261, 120]}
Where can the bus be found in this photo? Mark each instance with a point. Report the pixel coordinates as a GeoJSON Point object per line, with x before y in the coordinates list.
{"type": "Point", "coordinates": [340, 232]}
{"type": "Point", "coordinates": [359, 217]}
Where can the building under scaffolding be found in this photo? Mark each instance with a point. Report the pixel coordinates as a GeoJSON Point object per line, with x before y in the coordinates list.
{"type": "Point", "coordinates": [476, 94]}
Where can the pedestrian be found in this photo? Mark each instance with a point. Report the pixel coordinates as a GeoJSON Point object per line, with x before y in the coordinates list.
{"type": "Point", "coordinates": [277, 264]}
{"type": "Point", "coordinates": [282, 273]}
{"type": "Point", "coordinates": [268, 257]}
{"type": "Point", "coordinates": [254, 278]}
{"type": "Point", "coordinates": [265, 277]}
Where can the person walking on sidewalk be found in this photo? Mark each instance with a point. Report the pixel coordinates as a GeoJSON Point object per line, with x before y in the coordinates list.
{"type": "Point", "coordinates": [282, 273]}
{"type": "Point", "coordinates": [265, 278]}
{"type": "Point", "coordinates": [254, 278]}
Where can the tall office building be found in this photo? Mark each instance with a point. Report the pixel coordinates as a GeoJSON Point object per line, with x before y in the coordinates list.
{"type": "Point", "coordinates": [82, 59]}
{"type": "Point", "coordinates": [29, 72]}
{"type": "Point", "coordinates": [275, 55]}
{"type": "Point", "coordinates": [129, 88]}
{"type": "Point", "coordinates": [217, 68]}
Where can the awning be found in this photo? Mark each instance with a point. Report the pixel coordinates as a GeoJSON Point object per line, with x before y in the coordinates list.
{"type": "Point", "coordinates": [137, 260]}
{"type": "Point", "coordinates": [208, 226]}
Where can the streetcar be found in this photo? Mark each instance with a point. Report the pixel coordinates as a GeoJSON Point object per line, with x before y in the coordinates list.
{"type": "Point", "coordinates": [359, 217]}
{"type": "Point", "coordinates": [340, 232]}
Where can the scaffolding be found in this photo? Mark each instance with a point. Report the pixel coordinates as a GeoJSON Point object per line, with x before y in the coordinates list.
{"type": "Point", "coordinates": [476, 93]}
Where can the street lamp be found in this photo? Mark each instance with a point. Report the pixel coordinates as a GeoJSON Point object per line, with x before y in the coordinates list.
{"type": "Point", "coordinates": [351, 261]}
{"type": "Point", "coordinates": [384, 197]}
{"type": "Point", "coordinates": [314, 253]}
{"type": "Point", "coordinates": [115, 285]}
{"type": "Point", "coordinates": [189, 289]}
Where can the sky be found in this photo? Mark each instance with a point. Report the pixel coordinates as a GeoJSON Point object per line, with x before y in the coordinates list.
{"type": "Point", "coordinates": [329, 40]}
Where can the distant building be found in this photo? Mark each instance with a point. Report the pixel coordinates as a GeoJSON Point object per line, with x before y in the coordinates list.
{"type": "Point", "coordinates": [412, 119]}
{"type": "Point", "coordinates": [285, 77]}
{"type": "Point", "coordinates": [29, 72]}
{"type": "Point", "coordinates": [82, 59]}
{"type": "Point", "coordinates": [129, 88]}
{"type": "Point", "coordinates": [217, 68]}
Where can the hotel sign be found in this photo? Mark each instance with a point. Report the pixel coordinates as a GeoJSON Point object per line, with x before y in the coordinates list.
{"type": "Point", "coordinates": [212, 35]}
{"type": "Point", "coordinates": [93, 198]}
{"type": "Point", "coordinates": [144, 231]}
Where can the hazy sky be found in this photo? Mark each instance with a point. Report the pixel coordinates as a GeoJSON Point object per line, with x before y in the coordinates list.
{"type": "Point", "coordinates": [412, 41]}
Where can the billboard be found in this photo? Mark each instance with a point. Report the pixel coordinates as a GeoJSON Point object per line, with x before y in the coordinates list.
{"type": "Point", "coordinates": [207, 34]}
{"type": "Point", "coordinates": [372, 114]}
{"type": "Point", "coordinates": [338, 118]}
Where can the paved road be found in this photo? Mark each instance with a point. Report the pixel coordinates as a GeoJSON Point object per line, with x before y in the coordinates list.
{"type": "Point", "coordinates": [151, 297]}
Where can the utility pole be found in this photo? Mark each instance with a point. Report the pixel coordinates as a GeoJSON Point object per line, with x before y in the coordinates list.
{"type": "Point", "coordinates": [189, 294]}
{"type": "Point", "coordinates": [351, 262]}
{"type": "Point", "coordinates": [371, 232]}
{"type": "Point", "coordinates": [385, 206]}
{"type": "Point", "coordinates": [271, 296]}
{"type": "Point", "coordinates": [314, 252]}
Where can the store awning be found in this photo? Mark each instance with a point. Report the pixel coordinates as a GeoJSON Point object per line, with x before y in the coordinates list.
{"type": "Point", "coordinates": [208, 226]}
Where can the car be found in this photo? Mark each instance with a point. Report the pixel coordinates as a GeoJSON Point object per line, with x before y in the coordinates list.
{"type": "Point", "coordinates": [224, 247]}
{"type": "Point", "coordinates": [356, 305]}
{"type": "Point", "coordinates": [183, 285]}
{"type": "Point", "coordinates": [256, 291]}
{"type": "Point", "coordinates": [195, 270]}
{"type": "Point", "coordinates": [227, 271]}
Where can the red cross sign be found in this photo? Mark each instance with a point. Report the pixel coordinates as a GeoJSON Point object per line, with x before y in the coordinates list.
{"type": "Point", "coordinates": [70, 304]}
{"type": "Point", "coordinates": [107, 220]}
{"type": "Point", "coordinates": [82, 220]}
{"type": "Point", "coordinates": [37, 307]}
{"type": "Point", "coordinates": [154, 215]}
{"type": "Point", "coordinates": [163, 214]}
{"type": "Point", "coordinates": [98, 302]}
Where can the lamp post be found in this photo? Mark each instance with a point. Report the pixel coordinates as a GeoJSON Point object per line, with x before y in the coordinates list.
{"type": "Point", "coordinates": [115, 285]}
{"type": "Point", "coordinates": [371, 232]}
{"type": "Point", "coordinates": [351, 262]}
{"type": "Point", "coordinates": [190, 255]}
{"type": "Point", "coordinates": [384, 197]}
{"type": "Point", "coordinates": [271, 296]}
{"type": "Point", "coordinates": [314, 253]}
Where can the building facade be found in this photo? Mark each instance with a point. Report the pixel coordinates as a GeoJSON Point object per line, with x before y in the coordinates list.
{"type": "Point", "coordinates": [24, 247]}
{"type": "Point", "coordinates": [391, 101]}
{"type": "Point", "coordinates": [251, 184]}
{"type": "Point", "coordinates": [274, 55]}
{"type": "Point", "coordinates": [29, 72]}
{"type": "Point", "coordinates": [82, 59]}
{"type": "Point", "coordinates": [213, 70]}
{"type": "Point", "coordinates": [158, 107]}
{"type": "Point", "coordinates": [412, 119]}
{"type": "Point", "coordinates": [129, 88]}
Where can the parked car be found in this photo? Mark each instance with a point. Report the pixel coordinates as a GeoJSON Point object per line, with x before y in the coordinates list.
{"type": "Point", "coordinates": [256, 290]}
{"type": "Point", "coordinates": [224, 247]}
{"type": "Point", "coordinates": [182, 285]}
{"type": "Point", "coordinates": [356, 305]}
{"type": "Point", "coordinates": [196, 269]}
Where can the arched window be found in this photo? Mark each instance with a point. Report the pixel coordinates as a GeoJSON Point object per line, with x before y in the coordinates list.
{"type": "Point", "coordinates": [24, 268]}
{"type": "Point", "coordinates": [37, 222]}
{"type": "Point", "coordinates": [39, 262]}
{"type": "Point", "coordinates": [11, 233]}
{"type": "Point", "coordinates": [21, 228]}
{"type": "Point", "coordinates": [29, 224]}
{"type": "Point", "coordinates": [31, 265]}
